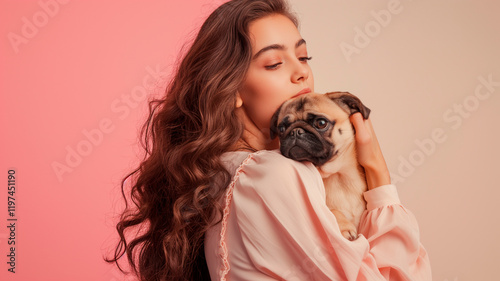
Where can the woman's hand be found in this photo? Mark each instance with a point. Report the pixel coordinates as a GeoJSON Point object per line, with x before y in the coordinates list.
{"type": "Point", "coordinates": [369, 153]}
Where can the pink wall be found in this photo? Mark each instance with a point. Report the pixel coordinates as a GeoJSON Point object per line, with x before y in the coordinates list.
{"type": "Point", "coordinates": [74, 80]}
{"type": "Point", "coordinates": [430, 72]}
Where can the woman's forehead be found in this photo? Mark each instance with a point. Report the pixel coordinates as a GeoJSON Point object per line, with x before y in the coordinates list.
{"type": "Point", "coordinates": [273, 30]}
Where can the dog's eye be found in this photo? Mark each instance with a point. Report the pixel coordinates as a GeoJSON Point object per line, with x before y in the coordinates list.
{"type": "Point", "coordinates": [320, 123]}
{"type": "Point", "coordinates": [281, 128]}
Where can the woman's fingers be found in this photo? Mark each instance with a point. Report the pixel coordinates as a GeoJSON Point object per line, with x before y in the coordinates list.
{"type": "Point", "coordinates": [369, 153]}
{"type": "Point", "coordinates": [366, 148]}
{"type": "Point", "coordinates": [363, 135]}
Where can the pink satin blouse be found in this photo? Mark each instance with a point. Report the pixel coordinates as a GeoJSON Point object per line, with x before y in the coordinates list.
{"type": "Point", "coordinates": [276, 226]}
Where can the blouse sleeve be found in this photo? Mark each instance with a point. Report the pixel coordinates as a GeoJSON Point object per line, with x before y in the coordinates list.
{"type": "Point", "coordinates": [290, 234]}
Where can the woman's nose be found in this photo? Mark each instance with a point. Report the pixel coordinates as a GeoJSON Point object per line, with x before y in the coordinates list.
{"type": "Point", "coordinates": [300, 72]}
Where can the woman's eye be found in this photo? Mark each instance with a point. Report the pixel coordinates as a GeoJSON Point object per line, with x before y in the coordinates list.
{"type": "Point", "coordinates": [305, 59]}
{"type": "Point", "coordinates": [320, 123]}
{"type": "Point", "coordinates": [273, 66]}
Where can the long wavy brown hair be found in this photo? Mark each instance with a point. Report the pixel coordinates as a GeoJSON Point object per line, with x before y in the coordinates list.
{"type": "Point", "coordinates": [177, 187]}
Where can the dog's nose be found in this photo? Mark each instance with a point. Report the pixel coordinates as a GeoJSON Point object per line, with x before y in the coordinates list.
{"type": "Point", "coordinates": [297, 132]}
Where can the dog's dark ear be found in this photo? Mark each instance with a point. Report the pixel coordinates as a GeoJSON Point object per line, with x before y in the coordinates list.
{"type": "Point", "coordinates": [349, 102]}
{"type": "Point", "coordinates": [274, 123]}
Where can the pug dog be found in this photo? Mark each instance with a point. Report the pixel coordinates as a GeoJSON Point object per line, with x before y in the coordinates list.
{"type": "Point", "coordinates": [316, 128]}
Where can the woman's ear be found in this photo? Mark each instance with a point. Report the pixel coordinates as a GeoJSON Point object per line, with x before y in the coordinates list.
{"type": "Point", "coordinates": [239, 101]}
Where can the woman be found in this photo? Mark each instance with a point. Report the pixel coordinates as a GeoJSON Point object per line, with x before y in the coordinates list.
{"type": "Point", "coordinates": [211, 190]}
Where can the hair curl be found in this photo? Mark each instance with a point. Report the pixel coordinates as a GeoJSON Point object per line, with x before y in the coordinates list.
{"type": "Point", "coordinates": [177, 187]}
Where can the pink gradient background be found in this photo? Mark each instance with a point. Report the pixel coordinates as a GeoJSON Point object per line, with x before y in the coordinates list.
{"type": "Point", "coordinates": [84, 65]}
{"type": "Point", "coordinates": [88, 57]}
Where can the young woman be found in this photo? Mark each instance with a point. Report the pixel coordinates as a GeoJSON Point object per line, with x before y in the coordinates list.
{"type": "Point", "coordinates": [216, 200]}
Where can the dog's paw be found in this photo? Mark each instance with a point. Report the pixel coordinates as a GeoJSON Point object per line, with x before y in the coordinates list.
{"type": "Point", "coordinates": [349, 231]}
{"type": "Point", "coordinates": [350, 234]}
{"type": "Point", "coordinates": [347, 228]}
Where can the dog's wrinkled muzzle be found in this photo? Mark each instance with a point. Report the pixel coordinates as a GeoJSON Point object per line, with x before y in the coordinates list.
{"type": "Point", "coordinates": [303, 145]}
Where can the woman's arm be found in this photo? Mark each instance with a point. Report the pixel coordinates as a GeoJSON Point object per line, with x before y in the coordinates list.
{"type": "Point", "coordinates": [394, 237]}
{"type": "Point", "coordinates": [290, 234]}
{"type": "Point", "coordinates": [369, 152]}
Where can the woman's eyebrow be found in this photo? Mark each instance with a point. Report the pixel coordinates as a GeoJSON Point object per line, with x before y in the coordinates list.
{"type": "Point", "coordinates": [277, 47]}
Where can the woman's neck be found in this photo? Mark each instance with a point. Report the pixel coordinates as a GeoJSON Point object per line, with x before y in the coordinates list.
{"type": "Point", "coordinates": [249, 143]}
{"type": "Point", "coordinates": [253, 138]}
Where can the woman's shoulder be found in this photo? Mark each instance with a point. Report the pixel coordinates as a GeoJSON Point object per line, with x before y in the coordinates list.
{"type": "Point", "coordinates": [270, 168]}
{"type": "Point", "coordinates": [266, 160]}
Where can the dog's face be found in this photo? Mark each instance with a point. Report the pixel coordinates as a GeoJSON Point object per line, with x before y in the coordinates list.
{"type": "Point", "coordinates": [316, 127]}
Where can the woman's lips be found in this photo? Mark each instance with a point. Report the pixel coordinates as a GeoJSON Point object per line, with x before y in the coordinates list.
{"type": "Point", "coordinates": [303, 92]}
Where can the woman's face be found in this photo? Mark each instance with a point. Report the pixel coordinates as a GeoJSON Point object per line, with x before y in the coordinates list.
{"type": "Point", "coordinates": [279, 69]}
